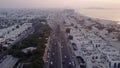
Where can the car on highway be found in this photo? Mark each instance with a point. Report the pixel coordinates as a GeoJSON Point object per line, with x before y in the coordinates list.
{"type": "Point", "coordinates": [53, 53]}
{"type": "Point", "coordinates": [65, 56]}
{"type": "Point", "coordinates": [70, 63]}
{"type": "Point", "coordinates": [51, 63]}
{"type": "Point", "coordinates": [73, 63]}
{"type": "Point", "coordinates": [46, 61]}
{"type": "Point", "coordinates": [72, 56]}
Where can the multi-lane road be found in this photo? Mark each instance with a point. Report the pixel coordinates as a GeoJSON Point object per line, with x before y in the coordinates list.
{"type": "Point", "coordinates": [54, 52]}
{"type": "Point", "coordinates": [55, 56]}
{"type": "Point", "coordinates": [66, 55]}
{"type": "Point", "coordinates": [59, 55]}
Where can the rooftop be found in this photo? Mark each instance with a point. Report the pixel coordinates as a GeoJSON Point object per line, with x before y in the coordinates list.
{"type": "Point", "coordinates": [109, 50]}
{"type": "Point", "coordinates": [114, 57]}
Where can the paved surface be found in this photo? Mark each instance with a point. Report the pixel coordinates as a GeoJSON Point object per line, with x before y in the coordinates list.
{"type": "Point", "coordinates": [54, 54]}
{"type": "Point", "coordinates": [66, 56]}
{"type": "Point", "coordinates": [59, 55]}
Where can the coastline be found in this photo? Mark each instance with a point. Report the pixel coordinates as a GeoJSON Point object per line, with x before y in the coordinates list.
{"type": "Point", "coordinates": [115, 44]}
{"type": "Point", "coordinates": [101, 14]}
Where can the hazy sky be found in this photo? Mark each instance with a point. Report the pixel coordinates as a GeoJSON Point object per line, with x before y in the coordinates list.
{"type": "Point", "coordinates": [59, 3]}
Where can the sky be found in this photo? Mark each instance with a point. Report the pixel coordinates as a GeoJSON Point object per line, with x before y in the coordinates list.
{"type": "Point", "coordinates": [59, 3]}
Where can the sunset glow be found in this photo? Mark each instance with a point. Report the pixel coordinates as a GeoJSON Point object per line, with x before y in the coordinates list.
{"type": "Point", "coordinates": [59, 3]}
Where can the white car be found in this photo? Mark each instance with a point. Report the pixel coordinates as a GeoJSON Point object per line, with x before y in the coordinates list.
{"type": "Point", "coordinates": [70, 63]}
{"type": "Point", "coordinates": [65, 56]}
{"type": "Point", "coordinates": [51, 63]}
{"type": "Point", "coordinates": [73, 63]}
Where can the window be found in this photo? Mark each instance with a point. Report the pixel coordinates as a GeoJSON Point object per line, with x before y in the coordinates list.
{"type": "Point", "coordinates": [93, 57]}
{"type": "Point", "coordinates": [119, 65]}
{"type": "Point", "coordinates": [115, 65]}
{"type": "Point", "coordinates": [109, 63]}
{"type": "Point", "coordinates": [96, 57]}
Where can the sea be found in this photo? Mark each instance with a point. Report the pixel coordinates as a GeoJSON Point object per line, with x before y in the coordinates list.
{"type": "Point", "coordinates": [107, 14]}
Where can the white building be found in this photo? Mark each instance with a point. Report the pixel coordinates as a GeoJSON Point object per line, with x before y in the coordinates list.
{"type": "Point", "coordinates": [114, 60]}
{"type": "Point", "coordinates": [11, 35]}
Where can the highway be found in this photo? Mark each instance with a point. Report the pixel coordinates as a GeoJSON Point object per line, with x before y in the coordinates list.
{"type": "Point", "coordinates": [66, 56]}
{"type": "Point", "coordinates": [53, 59]}
{"type": "Point", "coordinates": [59, 54]}
{"type": "Point", "coordinates": [55, 56]}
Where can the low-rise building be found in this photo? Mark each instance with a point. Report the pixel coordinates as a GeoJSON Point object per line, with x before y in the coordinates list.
{"type": "Point", "coordinates": [11, 35]}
